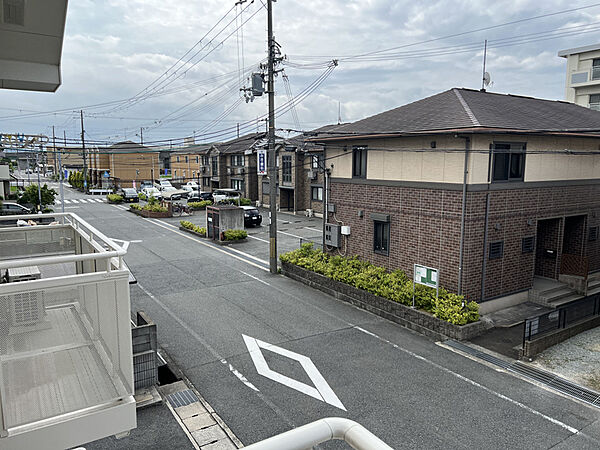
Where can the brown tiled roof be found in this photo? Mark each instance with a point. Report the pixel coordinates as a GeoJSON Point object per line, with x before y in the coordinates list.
{"type": "Point", "coordinates": [461, 108]}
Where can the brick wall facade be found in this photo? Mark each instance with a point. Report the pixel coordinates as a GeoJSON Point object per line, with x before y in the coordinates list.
{"type": "Point", "coordinates": [425, 229]}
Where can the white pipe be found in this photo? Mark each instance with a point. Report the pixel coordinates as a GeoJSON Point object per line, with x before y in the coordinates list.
{"type": "Point", "coordinates": [323, 430]}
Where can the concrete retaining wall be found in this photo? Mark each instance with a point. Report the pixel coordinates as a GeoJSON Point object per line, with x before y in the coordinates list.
{"type": "Point", "coordinates": [536, 346]}
{"type": "Point", "coordinates": [413, 319]}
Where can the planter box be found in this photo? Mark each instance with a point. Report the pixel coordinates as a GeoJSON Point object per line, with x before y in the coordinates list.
{"type": "Point", "coordinates": [414, 319]}
{"type": "Point", "coordinates": [151, 214]}
{"type": "Point", "coordinates": [187, 230]}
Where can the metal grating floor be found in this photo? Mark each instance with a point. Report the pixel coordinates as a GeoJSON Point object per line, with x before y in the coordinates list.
{"type": "Point", "coordinates": [541, 376]}
{"type": "Point", "coordinates": [182, 398]}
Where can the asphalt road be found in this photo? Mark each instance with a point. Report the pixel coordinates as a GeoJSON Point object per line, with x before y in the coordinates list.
{"type": "Point", "coordinates": [410, 391]}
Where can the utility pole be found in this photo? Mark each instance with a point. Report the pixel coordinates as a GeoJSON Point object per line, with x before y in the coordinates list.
{"type": "Point", "coordinates": [271, 148]}
{"type": "Point", "coordinates": [141, 136]}
{"type": "Point", "coordinates": [60, 172]}
{"type": "Point", "coordinates": [84, 157]}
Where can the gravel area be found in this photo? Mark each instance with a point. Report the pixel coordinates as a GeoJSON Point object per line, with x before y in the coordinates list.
{"type": "Point", "coordinates": [577, 359]}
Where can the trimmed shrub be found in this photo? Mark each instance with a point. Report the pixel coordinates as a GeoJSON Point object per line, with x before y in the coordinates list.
{"type": "Point", "coordinates": [243, 202]}
{"type": "Point", "coordinates": [153, 207]}
{"type": "Point", "coordinates": [235, 235]}
{"type": "Point", "coordinates": [199, 205]}
{"type": "Point", "coordinates": [142, 196]}
{"type": "Point", "coordinates": [190, 226]}
{"type": "Point", "coordinates": [114, 198]}
{"type": "Point", "coordinates": [395, 286]}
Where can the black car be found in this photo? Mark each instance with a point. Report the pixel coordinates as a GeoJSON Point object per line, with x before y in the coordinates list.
{"type": "Point", "coordinates": [129, 194]}
{"type": "Point", "coordinates": [196, 196]}
{"type": "Point", "coordinates": [251, 216]}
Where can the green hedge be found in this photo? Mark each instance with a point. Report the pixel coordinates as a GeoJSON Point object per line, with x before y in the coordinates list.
{"type": "Point", "coordinates": [153, 207]}
{"type": "Point", "coordinates": [395, 286]}
{"type": "Point", "coordinates": [199, 205]}
{"type": "Point", "coordinates": [235, 235]}
{"type": "Point", "coordinates": [243, 202]}
{"type": "Point", "coordinates": [114, 198]}
{"type": "Point", "coordinates": [190, 226]}
{"type": "Point", "coordinates": [142, 196]}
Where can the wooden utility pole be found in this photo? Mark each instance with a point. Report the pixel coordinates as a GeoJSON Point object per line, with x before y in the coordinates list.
{"type": "Point", "coordinates": [85, 186]}
{"type": "Point", "coordinates": [271, 148]}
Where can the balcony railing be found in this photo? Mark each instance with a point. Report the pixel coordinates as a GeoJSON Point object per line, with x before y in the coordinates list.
{"type": "Point", "coordinates": [596, 73]}
{"type": "Point", "coordinates": [66, 370]}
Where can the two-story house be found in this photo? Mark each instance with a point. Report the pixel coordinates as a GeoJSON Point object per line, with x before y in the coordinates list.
{"type": "Point", "coordinates": [583, 76]}
{"type": "Point", "coordinates": [493, 190]}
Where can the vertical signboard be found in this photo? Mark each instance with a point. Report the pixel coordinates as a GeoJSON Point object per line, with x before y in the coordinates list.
{"type": "Point", "coordinates": [261, 155]}
{"type": "Point", "coordinates": [427, 276]}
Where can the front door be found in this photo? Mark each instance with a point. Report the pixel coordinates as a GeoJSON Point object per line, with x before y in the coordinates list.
{"type": "Point", "coordinates": [547, 248]}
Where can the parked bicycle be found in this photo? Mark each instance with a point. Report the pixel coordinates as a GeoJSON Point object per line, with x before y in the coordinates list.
{"type": "Point", "coordinates": [180, 209]}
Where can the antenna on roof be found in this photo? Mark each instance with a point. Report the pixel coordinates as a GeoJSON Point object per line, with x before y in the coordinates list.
{"type": "Point", "coordinates": [485, 79]}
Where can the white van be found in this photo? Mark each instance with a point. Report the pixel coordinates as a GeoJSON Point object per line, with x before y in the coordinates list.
{"type": "Point", "coordinates": [220, 195]}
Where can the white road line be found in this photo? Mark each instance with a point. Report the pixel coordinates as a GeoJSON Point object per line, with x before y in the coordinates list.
{"type": "Point", "coordinates": [99, 200]}
{"type": "Point", "coordinates": [185, 235]}
{"type": "Point", "coordinates": [67, 202]}
{"type": "Point", "coordinates": [199, 338]}
{"type": "Point", "coordinates": [73, 201]}
{"type": "Point", "coordinates": [290, 234]}
{"type": "Point", "coordinates": [256, 278]}
{"type": "Point", "coordinates": [258, 239]}
{"type": "Point", "coordinates": [247, 255]}
{"type": "Point", "coordinates": [474, 383]}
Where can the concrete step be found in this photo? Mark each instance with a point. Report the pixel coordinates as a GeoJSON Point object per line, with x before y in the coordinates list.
{"type": "Point", "coordinates": [593, 285]}
{"type": "Point", "coordinates": [556, 302]}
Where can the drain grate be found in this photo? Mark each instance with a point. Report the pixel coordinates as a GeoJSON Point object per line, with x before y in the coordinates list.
{"type": "Point", "coordinates": [541, 376]}
{"type": "Point", "coordinates": [476, 353]}
{"type": "Point", "coordinates": [182, 398]}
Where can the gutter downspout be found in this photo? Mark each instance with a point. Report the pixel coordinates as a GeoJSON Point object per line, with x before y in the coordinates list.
{"type": "Point", "coordinates": [463, 213]}
{"type": "Point", "coordinates": [486, 225]}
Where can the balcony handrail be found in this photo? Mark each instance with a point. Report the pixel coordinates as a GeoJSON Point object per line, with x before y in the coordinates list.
{"type": "Point", "coordinates": [323, 430]}
{"type": "Point", "coordinates": [78, 224]}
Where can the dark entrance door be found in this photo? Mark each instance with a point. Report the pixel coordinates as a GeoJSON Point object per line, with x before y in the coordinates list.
{"type": "Point", "coordinates": [286, 199]}
{"type": "Point", "coordinates": [547, 248]}
{"type": "Point", "coordinates": [572, 259]}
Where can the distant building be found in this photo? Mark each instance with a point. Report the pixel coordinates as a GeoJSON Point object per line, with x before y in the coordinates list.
{"type": "Point", "coordinates": [583, 76]}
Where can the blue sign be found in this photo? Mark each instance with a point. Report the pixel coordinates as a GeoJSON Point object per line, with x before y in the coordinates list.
{"type": "Point", "coordinates": [166, 171]}
{"type": "Point", "coordinates": [106, 174]}
{"type": "Point", "coordinates": [84, 184]}
{"type": "Point", "coordinates": [66, 174]}
{"type": "Point", "coordinates": [261, 154]}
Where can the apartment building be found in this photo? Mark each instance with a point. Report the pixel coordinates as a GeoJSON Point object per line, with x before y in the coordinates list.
{"type": "Point", "coordinates": [190, 164]}
{"type": "Point", "coordinates": [493, 190]}
{"type": "Point", "coordinates": [125, 164]}
{"type": "Point", "coordinates": [583, 76]}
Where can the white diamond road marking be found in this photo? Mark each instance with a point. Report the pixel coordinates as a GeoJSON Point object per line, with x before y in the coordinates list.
{"type": "Point", "coordinates": [320, 391]}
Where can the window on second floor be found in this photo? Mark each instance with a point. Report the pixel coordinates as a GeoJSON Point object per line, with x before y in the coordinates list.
{"type": "Point", "coordinates": [595, 101]}
{"type": "Point", "coordinates": [286, 170]}
{"type": "Point", "coordinates": [196, 159]}
{"type": "Point", "coordinates": [215, 165]}
{"type": "Point", "coordinates": [508, 162]}
{"type": "Point", "coordinates": [204, 160]}
{"type": "Point", "coordinates": [237, 160]}
{"type": "Point", "coordinates": [186, 159]}
{"type": "Point", "coordinates": [359, 162]}
{"type": "Point", "coordinates": [316, 193]}
{"type": "Point", "coordinates": [596, 69]}
{"type": "Point", "coordinates": [177, 158]}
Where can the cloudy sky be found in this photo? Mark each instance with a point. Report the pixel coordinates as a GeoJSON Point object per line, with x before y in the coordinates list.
{"type": "Point", "coordinates": [113, 50]}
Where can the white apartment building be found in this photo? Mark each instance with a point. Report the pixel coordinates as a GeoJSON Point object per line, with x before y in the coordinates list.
{"type": "Point", "coordinates": [583, 75]}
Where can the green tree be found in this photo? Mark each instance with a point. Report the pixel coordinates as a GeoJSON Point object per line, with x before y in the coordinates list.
{"type": "Point", "coordinates": [31, 197]}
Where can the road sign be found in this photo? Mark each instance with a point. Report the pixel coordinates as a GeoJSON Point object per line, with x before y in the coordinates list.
{"type": "Point", "coordinates": [106, 174]}
{"type": "Point", "coordinates": [426, 276]}
{"type": "Point", "coordinates": [261, 154]}
{"type": "Point", "coordinates": [320, 391]}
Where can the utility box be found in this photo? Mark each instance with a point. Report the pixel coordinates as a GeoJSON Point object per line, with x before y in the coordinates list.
{"type": "Point", "coordinates": [332, 235]}
{"type": "Point", "coordinates": [220, 218]}
{"type": "Point", "coordinates": [345, 230]}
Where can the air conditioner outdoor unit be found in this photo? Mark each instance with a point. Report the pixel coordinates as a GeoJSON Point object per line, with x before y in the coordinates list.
{"type": "Point", "coordinates": [310, 213]}
{"type": "Point", "coordinates": [203, 169]}
{"type": "Point", "coordinates": [312, 174]}
{"type": "Point", "coordinates": [229, 171]}
{"type": "Point", "coordinates": [240, 171]}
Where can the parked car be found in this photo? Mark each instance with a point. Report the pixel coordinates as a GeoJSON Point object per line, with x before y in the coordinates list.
{"type": "Point", "coordinates": [220, 195]}
{"type": "Point", "coordinates": [196, 196]}
{"type": "Point", "coordinates": [152, 192]}
{"type": "Point", "coordinates": [162, 184]}
{"type": "Point", "coordinates": [193, 185]}
{"type": "Point", "coordinates": [146, 184]}
{"type": "Point", "coordinates": [252, 216]}
{"type": "Point", "coordinates": [129, 194]}
{"type": "Point", "coordinates": [190, 191]}
{"type": "Point", "coordinates": [10, 208]}
{"type": "Point", "coordinates": [171, 193]}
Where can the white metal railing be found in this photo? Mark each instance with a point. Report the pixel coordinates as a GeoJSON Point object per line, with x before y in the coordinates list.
{"type": "Point", "coordinates": [596, 73]}
{"type": "Point", "coordinates": [65, 339]}
{"type": "Point", "coordinates": [323, 430]}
